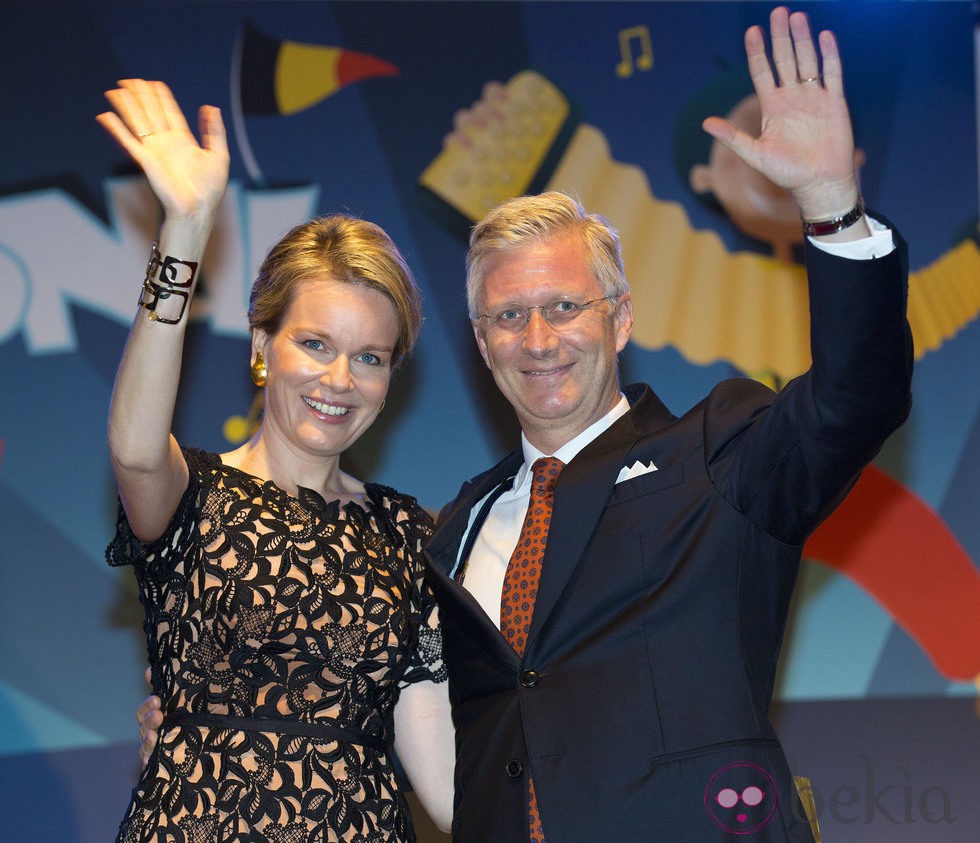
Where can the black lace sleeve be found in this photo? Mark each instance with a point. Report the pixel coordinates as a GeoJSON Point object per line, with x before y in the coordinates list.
{"type": "Point", "coordinates": [416, 525]}
{"type": "Point", "coordinates": [426, 662]}
{"type": "Point", "coordinates": [161, 555]}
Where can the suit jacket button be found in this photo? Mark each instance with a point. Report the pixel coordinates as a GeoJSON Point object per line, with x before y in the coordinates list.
{"type": "Point", "coordinates": [529, 678]}
{"type": "Point", "coordinates": [514, 768]}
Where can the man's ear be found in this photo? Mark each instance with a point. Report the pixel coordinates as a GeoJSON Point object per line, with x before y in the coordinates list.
{"type": "Point", "coordinates": [481, 342]}
{"type": "Point", "coordinates": [624, 320]}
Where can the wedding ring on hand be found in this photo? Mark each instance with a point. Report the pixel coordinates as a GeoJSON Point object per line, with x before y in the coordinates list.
{"type": "Point", "coordinates": [804, 81]}
{"type": "Point", "coordinates": [142, 135]}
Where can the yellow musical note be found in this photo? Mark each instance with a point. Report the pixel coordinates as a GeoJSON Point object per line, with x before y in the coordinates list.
{"type": "Point", "coordinates": [239, 428]}
{"type": "Point", "coordinates": [644, 61]}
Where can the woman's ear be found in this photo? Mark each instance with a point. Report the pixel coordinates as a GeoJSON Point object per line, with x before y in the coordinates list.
{"type": "Point", "coordinates": [259, 340]}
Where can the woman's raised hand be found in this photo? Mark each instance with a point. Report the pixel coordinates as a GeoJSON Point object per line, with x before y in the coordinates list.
{"type": "Point", "coordinates": [188, 177]}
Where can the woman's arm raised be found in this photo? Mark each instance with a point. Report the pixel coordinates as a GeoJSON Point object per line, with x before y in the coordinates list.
{"type": "Point", "coordinates": [189, 179]}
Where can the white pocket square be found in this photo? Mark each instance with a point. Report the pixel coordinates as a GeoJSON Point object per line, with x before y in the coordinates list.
{"type": "Point", "coordinates": [635, 470]}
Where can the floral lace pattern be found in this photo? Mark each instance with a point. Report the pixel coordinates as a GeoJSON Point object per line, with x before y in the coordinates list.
{"type": "Point", "coordinates": [265, 606]}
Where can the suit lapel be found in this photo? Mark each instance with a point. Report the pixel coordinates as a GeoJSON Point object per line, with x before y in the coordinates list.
{"type": "Point", "coordinates": [581, 496]}
{"type": "Point", "coordinates": [457, 602]}
{"type": "Point", "coordinates": [443, 548]}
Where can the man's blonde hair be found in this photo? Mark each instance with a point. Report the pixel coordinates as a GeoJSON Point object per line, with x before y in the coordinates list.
{"type": "Point", "coordinates": [533, 219]}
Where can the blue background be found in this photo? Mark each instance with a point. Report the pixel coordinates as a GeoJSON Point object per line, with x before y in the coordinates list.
{"type": "Point", "coordinates": [856, 689]}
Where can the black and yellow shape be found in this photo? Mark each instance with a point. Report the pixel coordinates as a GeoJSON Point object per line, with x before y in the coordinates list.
{"type": "Point", "coordinates": [285, 77]}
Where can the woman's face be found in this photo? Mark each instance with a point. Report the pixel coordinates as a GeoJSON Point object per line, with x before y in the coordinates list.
{"type": "Point", "coordinates": [329, 365]}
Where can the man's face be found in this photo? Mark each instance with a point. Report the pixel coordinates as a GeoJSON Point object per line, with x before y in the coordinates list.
{"type": "Point", "coordinates": [558, 379]}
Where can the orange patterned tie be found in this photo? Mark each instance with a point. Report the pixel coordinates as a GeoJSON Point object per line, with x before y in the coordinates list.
{"type": "Point", "coordinates": [521, 582]}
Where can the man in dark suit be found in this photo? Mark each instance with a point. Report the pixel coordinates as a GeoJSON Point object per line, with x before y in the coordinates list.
{"type": "Point", "coordinates": [628, 700]}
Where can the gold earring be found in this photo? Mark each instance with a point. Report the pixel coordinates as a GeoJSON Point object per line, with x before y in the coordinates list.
{"type": "Point", "coordinates": [382, 405]}
{"type": "Point", "coordinates": [260, 372]}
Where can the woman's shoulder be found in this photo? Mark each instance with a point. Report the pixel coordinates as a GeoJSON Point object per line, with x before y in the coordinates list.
{"type": "Point", "coordinates": [200, 461]}
{"type": "Point", "coordinates": [211, 472]}
{"type": "Point", "coordinates": [400, 506]}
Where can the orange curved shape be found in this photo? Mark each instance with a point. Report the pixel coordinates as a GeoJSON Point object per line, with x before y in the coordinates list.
{"type": "Point", "coordinates": [902, 553]}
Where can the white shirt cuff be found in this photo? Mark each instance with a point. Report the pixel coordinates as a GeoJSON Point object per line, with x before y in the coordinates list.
{"type": "Point", "coordinates": [879, 244]}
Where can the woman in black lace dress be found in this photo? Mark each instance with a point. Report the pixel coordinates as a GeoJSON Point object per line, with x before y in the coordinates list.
{"type": "Point", "coordinates": [291, 638]}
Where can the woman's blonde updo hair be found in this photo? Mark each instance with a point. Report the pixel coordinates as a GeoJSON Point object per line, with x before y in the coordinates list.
{"type": "Point", "coordinates": [345, 249]}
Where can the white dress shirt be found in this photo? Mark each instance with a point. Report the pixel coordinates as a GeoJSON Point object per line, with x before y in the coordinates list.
{"type": "Point", "coordinates": [484, 575]}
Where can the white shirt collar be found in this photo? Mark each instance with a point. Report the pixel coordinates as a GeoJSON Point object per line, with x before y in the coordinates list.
{"type": "Point", "coordinates": [567, 452]}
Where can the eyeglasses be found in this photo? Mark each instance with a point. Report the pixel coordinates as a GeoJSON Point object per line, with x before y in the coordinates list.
{"type": "Point", "coordinates": [557, 314]}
